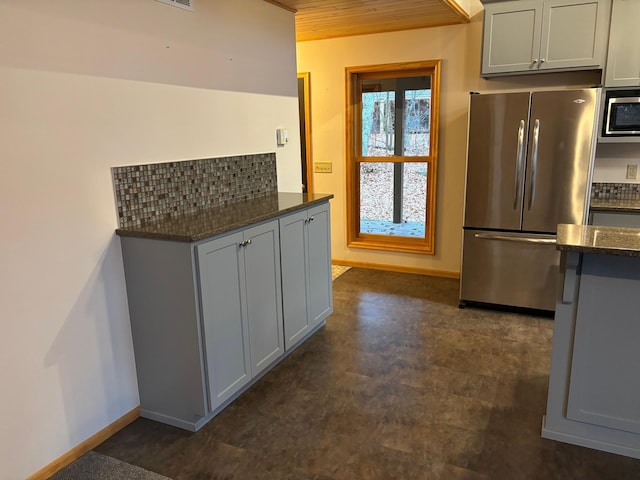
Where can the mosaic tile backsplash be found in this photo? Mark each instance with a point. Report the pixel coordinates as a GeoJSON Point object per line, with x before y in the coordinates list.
{"type": "Point", "coordinates": [615, 191]}
{"type": "Point", "coordinates": [150, 192]}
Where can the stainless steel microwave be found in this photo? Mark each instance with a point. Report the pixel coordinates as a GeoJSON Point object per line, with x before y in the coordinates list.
{"type": "Point", "coordinates": [621, 113]}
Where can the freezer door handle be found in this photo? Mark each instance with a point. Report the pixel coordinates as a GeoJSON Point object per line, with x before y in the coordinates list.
{"type": "Point", "coordinates": [539, 240]}
{"type": "Point", "coordinates": [534, 163]}
{"type": "Point", "coordinates": [519, 164]}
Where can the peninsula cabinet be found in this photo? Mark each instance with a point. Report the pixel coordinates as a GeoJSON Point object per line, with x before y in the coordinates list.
{"type": "Point", "coordinates": [241, 309]}
{"type": "Point", "coordinates": [531, 36]}
{"type": "Point", "coordinates": [206, 319]}
{"type": "Point", "coordinates": [206, 310]}
{"type": "Point", "coordinates": [594, 388]}
{"type": "Point", "coordinates": [306, 271]}
{"type": "Point", "coordinates": [623, 60]}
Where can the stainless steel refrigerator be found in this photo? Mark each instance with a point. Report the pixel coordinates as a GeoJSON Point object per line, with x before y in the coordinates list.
{"type": "Point", "coordinates": [529, 165]}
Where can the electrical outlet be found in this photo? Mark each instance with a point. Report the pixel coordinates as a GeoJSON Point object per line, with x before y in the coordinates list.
{"type": "Point", "coordinates": [322, 167]}
{"type": "Point", "coordinates": [632, 172]}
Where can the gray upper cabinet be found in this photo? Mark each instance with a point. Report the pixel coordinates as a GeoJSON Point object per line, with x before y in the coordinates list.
{"type": "Point", "coordinates": [306, 271]}
{"type": "Point", "coordinates": [530, 36]}
{"type": "Point", "coordinates": [511, 36]}
{"type": "Point", "coordinates": [623, 60]}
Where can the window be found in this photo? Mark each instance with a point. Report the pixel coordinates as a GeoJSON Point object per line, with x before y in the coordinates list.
{"type": "Point", "coordinates": [392, 151]}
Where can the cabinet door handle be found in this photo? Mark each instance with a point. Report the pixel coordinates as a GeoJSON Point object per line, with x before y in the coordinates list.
{"type": "Point", "coordinates": [311, 219]}
{"type": "Point", "coordinates": [244, 243]}
{"type": "Point", "coordinates": [248, 242]}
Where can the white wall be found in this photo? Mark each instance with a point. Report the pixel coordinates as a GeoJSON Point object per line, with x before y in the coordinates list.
{"type": "Point", "coordinates": [85, 86]}
{"type": "Point", "coordinates": [612, 160]}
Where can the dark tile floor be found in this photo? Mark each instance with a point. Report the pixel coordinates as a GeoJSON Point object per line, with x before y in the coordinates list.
{"type": "Point", "coordinates": [400, 384]}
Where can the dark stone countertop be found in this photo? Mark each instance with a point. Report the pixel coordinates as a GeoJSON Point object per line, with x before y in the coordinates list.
{"type": "Point", "coordinates": [631, 206]}
{"type": "Point", "coordinates": [202, 224]}
{"type": "Point", "coordinates": [602, 240]}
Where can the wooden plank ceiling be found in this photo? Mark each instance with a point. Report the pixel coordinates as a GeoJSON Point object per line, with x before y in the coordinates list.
{"type": "Point", "coordinates": [322, 19]}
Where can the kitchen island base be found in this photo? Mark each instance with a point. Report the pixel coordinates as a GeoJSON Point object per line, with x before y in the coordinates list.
{"type": "Point", "coordinates": [594, 386]}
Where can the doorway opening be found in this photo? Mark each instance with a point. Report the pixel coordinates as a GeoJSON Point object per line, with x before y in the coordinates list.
{"type": "Point", "coordinates": [305, 132]}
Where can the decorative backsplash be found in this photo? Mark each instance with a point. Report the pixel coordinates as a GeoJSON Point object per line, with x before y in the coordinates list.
{"type": "Point", "coordinates": [145, 193]}
{"type": "Point", "coordinates": [615, 191]}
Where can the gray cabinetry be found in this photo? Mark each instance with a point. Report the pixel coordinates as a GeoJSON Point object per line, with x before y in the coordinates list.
{"type": "Point", "coordinates": [623, 60]}
{"type": "Point", "coordinates": [528, 36]}
{"type": "Point", "coordinates": [306, 271]}
{"type": "Point", "coordinates": [207, 316]}
{"type": "Point", "coordinates": [263, 294]}
{"type": "Point", "coordinates": [616, 219]}
{"type": "Point", "coordinates": [241, 312]}
{"type": "Point", "coordinates": [224, 317]}
{"type": "Point", "coordinates": [594, 389]}
{"type": "Point", "coordinates": [163, 294]}
{"type": "Point", "coordinates": [605, 386]}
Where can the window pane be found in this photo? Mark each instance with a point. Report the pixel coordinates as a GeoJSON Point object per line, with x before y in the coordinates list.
{"type": "Point", "coordinates": [379, 200]}
{"type": "Point", "coordinates": [416, 128]}
{"type": "Point", "coordinates": [407, 99]}
{"type": "Point", "coordinates": [378, 124]}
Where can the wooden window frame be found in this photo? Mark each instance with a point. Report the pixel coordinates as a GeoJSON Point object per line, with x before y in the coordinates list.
{"type": "Point", "coordinates": [354, 157]}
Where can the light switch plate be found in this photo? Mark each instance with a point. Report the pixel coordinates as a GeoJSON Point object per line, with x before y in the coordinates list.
{"type": "Point", "coordinates": [632, 172]}
{"type": "Point", "coordinates": [322, 167]}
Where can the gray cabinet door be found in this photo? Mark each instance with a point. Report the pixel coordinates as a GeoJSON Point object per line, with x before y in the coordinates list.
{"type": "Point", "coordinates": [511, 40]}
{"type": "Point", "coordinates": [528, 36]}
{"type": "Point", "coordinates": [294, 277]}
{"type": "Point", "coordinates": [224, 316]}
{"type": "Point", "coordinates": [261, 251]}
{"type": "Point", "coordinates": [319, 253]}
{"type": "Point", "coordinates": [305, 239]}
{"type": "Point", "coordinates": [574, 34]}
{"type": "Point", "coordinates": [623, 60]}
{"type": "Point", "coordinates": [605, 385]}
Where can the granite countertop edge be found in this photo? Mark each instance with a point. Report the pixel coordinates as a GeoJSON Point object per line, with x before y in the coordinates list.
{"type": "Point", "coordinates": [620, 241]}
{"type": "Point", "coordinates": [210, 227]}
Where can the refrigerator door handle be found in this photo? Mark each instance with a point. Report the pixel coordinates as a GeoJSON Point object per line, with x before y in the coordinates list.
{"type": "Point", "coordinates": [519, 164]}
{"type": "Point", "coordinates": [534, 162]}
{"type": "Point", "coordinates": [539, 239]}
